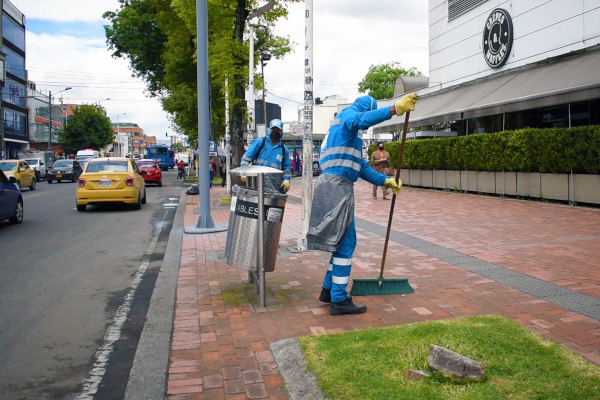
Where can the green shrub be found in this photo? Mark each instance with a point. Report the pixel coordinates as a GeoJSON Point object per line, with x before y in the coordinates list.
{"type": "Point", "coordinates": [553, 150]}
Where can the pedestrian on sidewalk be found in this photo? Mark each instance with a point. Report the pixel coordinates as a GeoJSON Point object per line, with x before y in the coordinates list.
{"type": "Point", "coordinates": [331, 225]}
{"type": "Point", "coordinates": [212, 169]}
{"type": "Point", "coordinates": [380, 159]}
{"type": "Point", "coordinates": [271, 152]}
{"type": "Point", "coordinates": [223, 172]}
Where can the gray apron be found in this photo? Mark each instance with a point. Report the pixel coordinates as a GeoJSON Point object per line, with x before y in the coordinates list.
{"type": "Point", "coordinates": [331, 214]}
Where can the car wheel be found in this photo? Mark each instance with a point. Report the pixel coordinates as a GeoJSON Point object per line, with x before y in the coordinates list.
{"type": "Point", "coordinates": [32, 187]}
{"type": "Point", "coordinates": [138, 205]}
{"type": "Point", "coordinates": [144, 198]}
{"type": "Point", "coordinates": [49, 180]}
{"type": "Point", "coordinates": [159, 184]}
{"type": "Point", "coordinates": [58, 180]}
{"type": "Point", "coordinates": [38, 177]}
{"type": "Point", "coordinates": [18, 217]}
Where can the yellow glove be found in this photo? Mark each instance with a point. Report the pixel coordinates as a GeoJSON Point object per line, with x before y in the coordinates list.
{"type": "Point", "coordinates": [243, 179]}
{"type": "Point", "coordinates": [407, 103]}
{"type": "Point", "coordinates": [285, 186]}
{"type": "Point", "coordinates": [391, 183]}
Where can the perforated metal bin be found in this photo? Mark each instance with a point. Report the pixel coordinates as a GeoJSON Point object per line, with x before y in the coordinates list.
{"type": "Point", "coordinates": [242, 240]}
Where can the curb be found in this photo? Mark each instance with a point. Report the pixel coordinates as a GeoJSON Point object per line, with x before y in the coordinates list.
{"type": "Point", "coordinates": [148, 375]}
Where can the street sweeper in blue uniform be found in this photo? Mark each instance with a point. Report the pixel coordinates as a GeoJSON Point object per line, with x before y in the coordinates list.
{"type": "Point", "coordinates": [331, 226]}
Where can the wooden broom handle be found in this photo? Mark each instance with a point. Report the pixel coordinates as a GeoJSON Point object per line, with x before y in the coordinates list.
{"type": "Point", "coordinates": [389, 226]}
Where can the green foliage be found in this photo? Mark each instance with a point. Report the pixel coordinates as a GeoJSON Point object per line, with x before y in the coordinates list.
{"type": "Point", "coordinates": [159, 40]}
{"type": "Point", "coordinates": [379, 81]}
{"type": "Point", "coordinates": [89, 128]}
{"type": "Point", "coordinates": [555, 150]}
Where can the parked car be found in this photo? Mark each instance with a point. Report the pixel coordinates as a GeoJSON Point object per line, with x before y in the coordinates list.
{"type": "Point", "coordinates": [64, 170]}
{"type": "Point", "coordinates": [11, 201]}
{"type": "Point", "coordinates": [153, 172]}
{"type": "Point", "coordinates": [39, 167]}
{"type": "Point", "coordinates": [111, 180]}
{"type": "Point", "coordinates": [22, 172]}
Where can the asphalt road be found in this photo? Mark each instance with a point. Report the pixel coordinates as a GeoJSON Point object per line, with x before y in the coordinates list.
{"type": "Point", "coordinates": [74, 289]}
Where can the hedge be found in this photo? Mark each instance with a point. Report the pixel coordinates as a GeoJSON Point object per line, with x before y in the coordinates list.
{"type": "Point", "coordinates": [552, 150]}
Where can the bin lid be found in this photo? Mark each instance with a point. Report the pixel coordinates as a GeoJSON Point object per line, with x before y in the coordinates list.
{"type": "Point", "coordinates": [254, 170]}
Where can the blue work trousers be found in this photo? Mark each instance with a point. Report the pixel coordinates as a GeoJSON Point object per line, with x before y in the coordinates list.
{"type": "Point", "coordinates": [338, 273]}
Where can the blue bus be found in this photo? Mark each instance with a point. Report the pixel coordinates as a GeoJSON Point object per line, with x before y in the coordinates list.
{"type": "Point", "coordinates": [160, 154]}
{"type": "Point", "coordinates": [171, 158]}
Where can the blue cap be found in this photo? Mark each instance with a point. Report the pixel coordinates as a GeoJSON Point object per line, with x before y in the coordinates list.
{"type": "Point", "coordinates": [276, 123]}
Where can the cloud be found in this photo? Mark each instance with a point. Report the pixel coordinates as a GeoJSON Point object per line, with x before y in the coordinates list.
{"type": "Point", "coordinates": [349, 37]}
{"type": "Point", "coordinates": [66, 10]}
{"type": "Point", "coordinates": [58, 59]}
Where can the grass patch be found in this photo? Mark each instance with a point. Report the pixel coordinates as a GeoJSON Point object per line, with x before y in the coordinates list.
{"type": "Point", "coordinates": [225, 201]}
{"type": "Point", "coordinates": [370, 364]}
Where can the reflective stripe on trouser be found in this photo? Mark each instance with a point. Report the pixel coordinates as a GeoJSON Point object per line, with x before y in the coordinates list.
{"type": "Point", "coordinates": [338, 273]}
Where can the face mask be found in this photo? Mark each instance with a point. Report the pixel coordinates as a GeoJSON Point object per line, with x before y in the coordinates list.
{"type": "Point", "coordinates": [380, 147]}
{"type": "Point", "coordinates": [275, 135]}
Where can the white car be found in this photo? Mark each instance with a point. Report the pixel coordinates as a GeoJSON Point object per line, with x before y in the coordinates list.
{"type": "Point", "coordinates": [39, 166]}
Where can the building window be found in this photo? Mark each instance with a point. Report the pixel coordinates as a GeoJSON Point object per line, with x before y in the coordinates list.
{"type": "Point", "coordinates": [15, 63]}
{"type": "Point", "coordinates": [14, 122]}
{"type": "Point", "coordinates": [456, 8]}
{"type": "Point", "coordinates": [13, 32]}
{"type": "Point", "coordinates": [14, 93]}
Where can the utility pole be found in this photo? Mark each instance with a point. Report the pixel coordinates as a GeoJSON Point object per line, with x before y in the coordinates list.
{"type": "Point", "coordinates": [307, 140]}
{"type": "Point", "coordinates": [50, 122]}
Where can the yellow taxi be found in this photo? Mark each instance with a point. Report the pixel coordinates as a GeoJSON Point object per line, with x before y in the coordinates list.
{"type": "Point", "coordinates": [111, 180]}
{"type": "Point", "coordinates": [22, 172]}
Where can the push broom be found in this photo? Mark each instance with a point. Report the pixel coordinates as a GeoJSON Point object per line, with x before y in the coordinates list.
{"type": "Point", "coordinates": [365, 287]}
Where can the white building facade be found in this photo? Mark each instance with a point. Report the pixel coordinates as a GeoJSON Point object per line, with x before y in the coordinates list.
{"type": "Point", "coordinates": [508, 64]}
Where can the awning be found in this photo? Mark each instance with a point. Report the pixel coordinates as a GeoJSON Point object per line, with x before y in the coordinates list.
{"type": "Point", "coordinates": [562, 81]}
{"type": "Point", "coordinates": [15, 140]}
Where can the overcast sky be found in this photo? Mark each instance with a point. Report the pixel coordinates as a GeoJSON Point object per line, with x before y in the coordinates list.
{"type": "Point", "coordinates": [66, 47]}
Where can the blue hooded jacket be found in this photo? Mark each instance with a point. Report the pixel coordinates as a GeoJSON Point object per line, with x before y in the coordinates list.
{"type": "Point", "coordinates": [270, 156]}
{"type": "Point", "coordinates": [341, 152]}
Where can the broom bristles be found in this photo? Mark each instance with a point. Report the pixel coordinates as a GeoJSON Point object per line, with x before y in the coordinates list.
{"type": "Point", "coordinates": [379, 286]}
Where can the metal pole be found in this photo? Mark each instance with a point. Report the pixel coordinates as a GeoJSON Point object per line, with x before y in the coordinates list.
{"type": "Point", "coordinates": [251, 121]}
{"type": "Point", "coordinates": [261, 240]}
{"type": "Point", "coordinates": [262, 72]}
{"type": "Point", "coordinates": [50, 122]}
{"type": "Point", "coordinates": [204, 219]}
{"type": "Point", "coordinates": [2, 148]}
{"type": "Point", "coordinates": [227, 138]}
{"type": "Point", "coordinates": [307, 140]}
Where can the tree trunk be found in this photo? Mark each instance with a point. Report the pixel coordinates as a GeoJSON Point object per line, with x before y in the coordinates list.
{"type": "Point", "coordinates": [238, 111]}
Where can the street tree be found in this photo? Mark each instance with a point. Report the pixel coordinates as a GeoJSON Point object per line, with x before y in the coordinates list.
{"type": "Point", "coordinates": [88, 128]}
{"type": "Point", "coordinates": [379, 81]}
{"type": "Point", "coordinates": [159, 40]}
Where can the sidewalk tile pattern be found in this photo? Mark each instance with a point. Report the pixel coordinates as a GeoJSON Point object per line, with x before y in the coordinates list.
{"type": "Point", "coordinates": [463, 254]}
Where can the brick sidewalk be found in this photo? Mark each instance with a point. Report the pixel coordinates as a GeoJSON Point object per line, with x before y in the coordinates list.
{"type": "Point", "coordinates": [220, 345]}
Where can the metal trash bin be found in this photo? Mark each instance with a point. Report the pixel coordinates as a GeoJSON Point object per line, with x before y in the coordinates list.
{"type": "Point", "coordinates": [242, 241]}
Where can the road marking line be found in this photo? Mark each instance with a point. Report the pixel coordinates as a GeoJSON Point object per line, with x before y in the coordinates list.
{"type": "Point", "coordinates": [102, 356]}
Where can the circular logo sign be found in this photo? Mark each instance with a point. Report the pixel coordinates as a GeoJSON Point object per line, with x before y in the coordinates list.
{"type": "Point", "coordinates": [497, 38]}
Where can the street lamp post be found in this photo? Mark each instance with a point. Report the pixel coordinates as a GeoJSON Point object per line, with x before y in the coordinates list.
{"type": "Point", "coordinates": [50, 116]}
{"type": "Point", "coordinates": [264, 57]}
{"type": "Point", "coordinates": [251, 120]}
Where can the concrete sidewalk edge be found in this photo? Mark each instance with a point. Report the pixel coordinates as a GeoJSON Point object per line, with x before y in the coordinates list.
{"type": "Point", "coordinates": [300, 383]}
{"type": "Point", "coordinates": [148, 375]}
